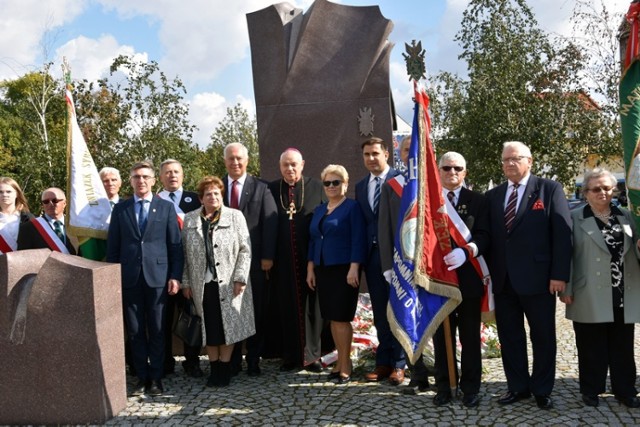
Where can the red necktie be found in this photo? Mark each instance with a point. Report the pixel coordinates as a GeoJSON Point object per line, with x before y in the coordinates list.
{"type": "Point", "coordinates": [510, 211]}
{"type": "Point", "coordinates": [234, 194]}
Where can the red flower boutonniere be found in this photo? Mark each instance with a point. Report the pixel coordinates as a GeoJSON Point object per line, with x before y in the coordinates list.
{"type": "Point", "coordinates": [538, 205]}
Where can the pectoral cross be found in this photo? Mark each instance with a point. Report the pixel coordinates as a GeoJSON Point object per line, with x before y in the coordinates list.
{"type": "Point", "coordinates": [292, 210]}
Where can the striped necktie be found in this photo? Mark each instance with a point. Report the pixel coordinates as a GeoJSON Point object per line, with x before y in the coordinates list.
{"type": "Point", "coordinates": [510, 211]}
{"type": "Point", "coordinates": [376, 195]}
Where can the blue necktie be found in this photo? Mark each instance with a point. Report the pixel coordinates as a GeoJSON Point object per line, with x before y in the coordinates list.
{"type": "Point", "coordinates": [376, 195]}
{"type": "Point", "coordinates": [142, 216]}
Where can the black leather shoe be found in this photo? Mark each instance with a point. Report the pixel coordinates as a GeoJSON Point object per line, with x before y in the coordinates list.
{"type": "Point", "coordinates": [544, 402]}
{"type": "Point", "coordinates": [471, 400]}
{"type": "Point", "coordinates": [590, 400]}
{"type": "Point", "coordinates": [313, 367]}
{"type": "Point", "coordinates": [344, 379]}
{"type": "Point", "coordinates": [415, 387]}
{"type": "Point", "coordinates": [139, 388]}
{"type": "Point", "coordinates": [629, 401]}
{"type": "Point", "coordinates": [253, 368]}
{"type": "Point", "coordinates": [288, 366]}
{"type": "Point", "coordinates": [333, 375]}
{"type": "Point", "coordinates": [513, 397]}
{"type": "Point", "coordinates": [442, 398]}
{"type": "Point", "coordinates": [155, 389]}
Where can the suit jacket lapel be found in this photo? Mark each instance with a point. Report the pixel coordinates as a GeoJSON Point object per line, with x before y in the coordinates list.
{"type": "Point", "coordinates": [591, 229]}
{"type": "Point", "coordinates": [247, 191]}
{"type": "Point", "coordinates": [131, 213]}
{"type": "Point", "coordinates": [528, 198]}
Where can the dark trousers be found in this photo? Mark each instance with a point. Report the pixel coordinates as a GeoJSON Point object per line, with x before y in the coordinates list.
{"type": "Point", "coordinates": [191, 354]}
{"type": "Point", "coordinates": [540, 310]}
{"type": "Point", "coordinates": [145, 312]}
{"type": "Point", "coordinates": [419, 371]}
{"type": "Point", "coordinates": [466, 318]}
{"type": "Point", "coordinates": [602, 347]}
{"type": "Point", "coordinates": [389, 352]}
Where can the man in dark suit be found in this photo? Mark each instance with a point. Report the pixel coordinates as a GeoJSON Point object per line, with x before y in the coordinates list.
{"type": "Point", "coordinates": [472, 209]}
{"type": "Point", "coordinates": [145, 239]}
{"type": "Point", "coordinates": [252, 196]}
{"type": "Point", "coordinates": [529, 261]}
{"type": "Point", "coordinates": [171, 177]}
{"type": "Point", "coordinates": [390, 357]}
{"type": "Point", "coordinates": [47, 231]}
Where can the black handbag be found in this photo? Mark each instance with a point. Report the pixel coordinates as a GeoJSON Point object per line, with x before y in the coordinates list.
{"type": "Point", "coordinates": [188, 327]}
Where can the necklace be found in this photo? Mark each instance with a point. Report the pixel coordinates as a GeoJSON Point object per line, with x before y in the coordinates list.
{"type": "Point", "coordinates": [331, 208]}
{"type": "Point", "coordinates": [292, 205]}
{"type": "Point", "coordinates": [604, 217]}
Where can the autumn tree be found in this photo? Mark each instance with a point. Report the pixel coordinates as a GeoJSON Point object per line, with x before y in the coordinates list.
{"type": "Point", "coordinates": [522, 86]}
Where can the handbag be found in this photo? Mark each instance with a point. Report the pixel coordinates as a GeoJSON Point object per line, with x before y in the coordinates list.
{"type": "Point", "coordinates": [188, 327]}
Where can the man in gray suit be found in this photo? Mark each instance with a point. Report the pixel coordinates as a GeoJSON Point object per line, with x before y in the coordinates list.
{"type": "Point", "coordinates": [145, 240]}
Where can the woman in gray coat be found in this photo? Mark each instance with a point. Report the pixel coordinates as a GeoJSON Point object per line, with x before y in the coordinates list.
{"type": "Point", "coordinates": [603, 295]}
{"type": "Point", "coordinates": [217, 256]}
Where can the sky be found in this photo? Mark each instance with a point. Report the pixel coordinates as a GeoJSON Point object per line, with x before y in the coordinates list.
{"type": "Point", "coordinates": [205, 43]}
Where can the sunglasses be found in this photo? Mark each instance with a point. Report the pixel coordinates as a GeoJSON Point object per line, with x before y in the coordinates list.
{"type": "Point", "coordinates": [599, 189]}
{"type": "Point", "coordinates": [448, 168]}
{"type": "Point", "coordinates": [334, 183]}
{"type": "Point", "coordinates": [52, 201]}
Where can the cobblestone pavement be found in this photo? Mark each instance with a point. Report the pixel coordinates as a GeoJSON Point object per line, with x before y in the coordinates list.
{"type": "Point", "coordinates": [302, 398]}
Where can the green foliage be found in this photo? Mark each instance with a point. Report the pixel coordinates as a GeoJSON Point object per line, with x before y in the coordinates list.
{"type": "Point", "coordinates": [138, 113]}
{"type": "Point", "coordinates": [33, 133]}
{"type": "Point", "coordinates": [520, 86]}
{"type": "Point", "coordinates": [236, 126]}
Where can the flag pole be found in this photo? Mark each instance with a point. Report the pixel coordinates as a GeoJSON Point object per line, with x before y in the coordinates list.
{"type": "Point", "coordinates": [416, 69]}
{"type": "Point", "coordinates": [66, 75]}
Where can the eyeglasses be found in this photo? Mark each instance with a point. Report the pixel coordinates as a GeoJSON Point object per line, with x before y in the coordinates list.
{"type": "Point", "coordinates": [599, 189]}
{"type": "Point", "coordinates": [52, 201]}
{"type": "Point", "coordinates": [448, 168]}
{"type": "Point", "coordinates": [514, 159]}
{"type": "Point", "coordinates": [143, 177]}
{"type": "Point", "coordinates": [334, 183]}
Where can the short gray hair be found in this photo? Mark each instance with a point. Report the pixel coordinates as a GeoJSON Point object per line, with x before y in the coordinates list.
{"type": "Point", "coordinates": [452, 155]}
{"type": "Point", "coordinates": [598, 173]}
{"type": "Point", "coordinates": [107, 170]}
{"type": "Point", "coordinates": [520, 146]}
{"type": "Point", "coordinates": [242, 147]}
{"type": "Point", "coordinates": [169, 162]}
{"type": "Point", "coordinates": [291, 150]}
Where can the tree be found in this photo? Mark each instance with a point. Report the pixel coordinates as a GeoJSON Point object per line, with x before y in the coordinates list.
{"type": "Point", "coordinates": [595, 33]}
{"type": "Point", "coordinates": [33, 132]}
{"type": "Point", "coordinates": [236, 126]}
{"type": "Point", "coordinates": [137, 113]}
{"type": "Point", "coordinates": [520, 86]}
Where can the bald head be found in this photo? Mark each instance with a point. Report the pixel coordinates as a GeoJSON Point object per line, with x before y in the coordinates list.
{"type": "Point", "coordinates": [291, 165]}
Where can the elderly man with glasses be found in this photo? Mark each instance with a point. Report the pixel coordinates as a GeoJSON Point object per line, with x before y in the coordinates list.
{"type": "Point", "coordinates": [530, 263]}
{"type": "Point", "coordinates": [47, 231]}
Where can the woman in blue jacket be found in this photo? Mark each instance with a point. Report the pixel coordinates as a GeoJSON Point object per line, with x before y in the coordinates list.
{"type": "Point", "coordinates": [336, 249]}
